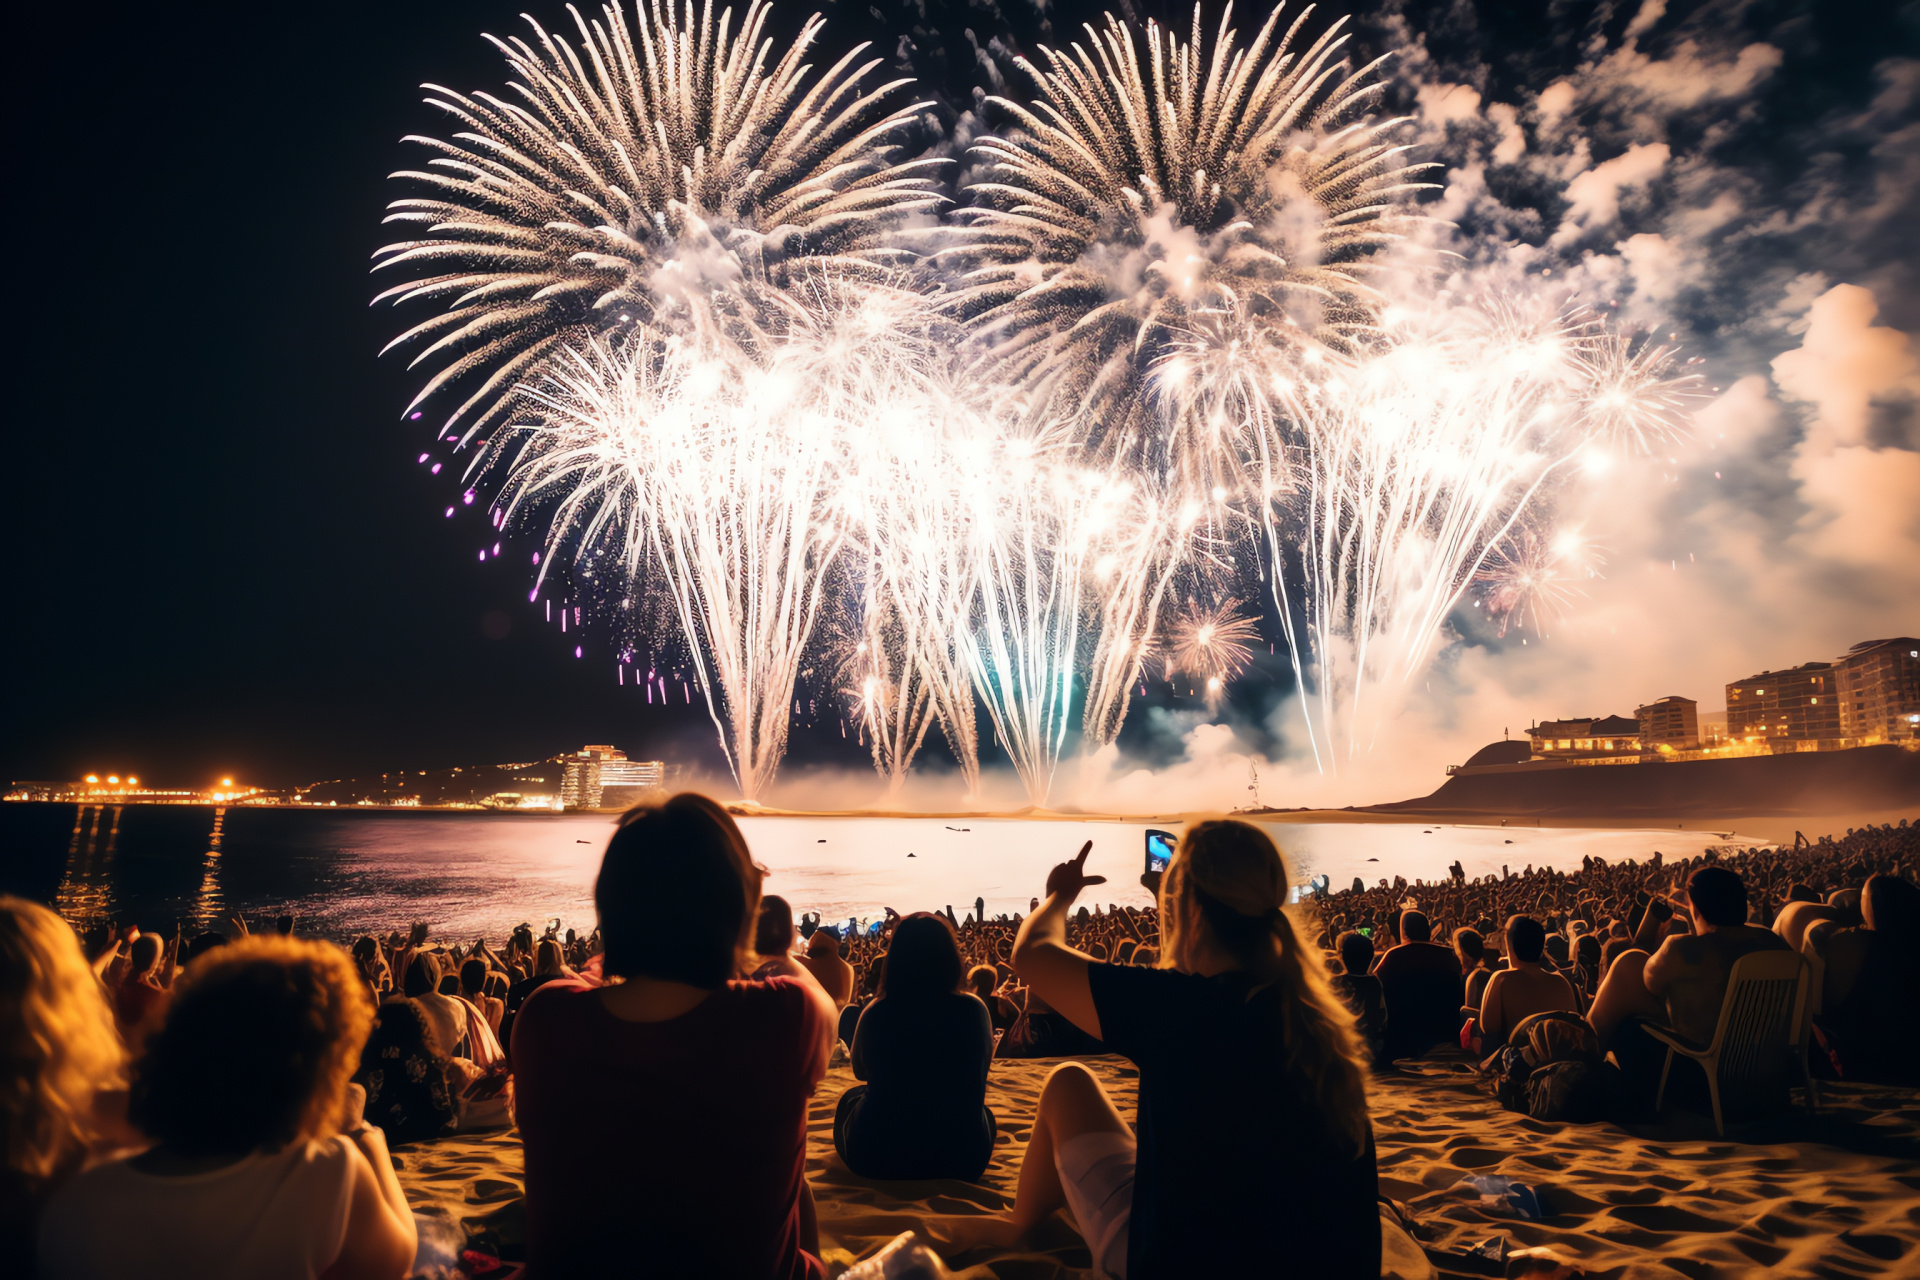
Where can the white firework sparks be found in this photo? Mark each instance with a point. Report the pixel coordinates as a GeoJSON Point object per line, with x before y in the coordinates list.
{"type": "Point", "coordinates": [643, 240]}
{"type": "Point", "coordinates": [1533, 577]}
{"type": "Point", "coordinates": [1211, 644]}
{"type": "Point", "coordinates": [651, 172]}
{"type": "Point", "coordinates": [1418, 461]}
{"type": "Point", "coordinates": [1151, 361]}
{"type": "Point", "coordinates": [1148, 188]}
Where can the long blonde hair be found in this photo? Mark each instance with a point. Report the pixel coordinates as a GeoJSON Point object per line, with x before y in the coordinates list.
{"type": "Point", "coordinates": [1232, 875]}
{"type": "Point", "coordinates": [58, 1045]}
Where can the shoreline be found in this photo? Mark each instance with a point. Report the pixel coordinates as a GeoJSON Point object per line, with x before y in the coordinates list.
{"type": "Point", "coordinates": [1755, 823]}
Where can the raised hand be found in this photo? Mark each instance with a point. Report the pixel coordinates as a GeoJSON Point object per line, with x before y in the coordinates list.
{"type": "Point", "coordinates": [1069, 878]}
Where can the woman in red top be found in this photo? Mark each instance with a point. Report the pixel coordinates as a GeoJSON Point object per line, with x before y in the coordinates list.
{"type": "Point", "coordinates": [664, 1116]}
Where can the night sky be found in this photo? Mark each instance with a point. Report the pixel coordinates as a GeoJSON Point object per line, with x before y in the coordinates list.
{"type": "Point", "coordinates": [226, 560]}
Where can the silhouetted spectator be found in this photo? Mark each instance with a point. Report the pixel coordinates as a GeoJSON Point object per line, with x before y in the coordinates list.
{"type": "Point", "coordinates": [1360, 991]}
{"type": "Point", "coordinates": [923, 1049]}
{"type": "Point", "coordinates": [1423, 986]}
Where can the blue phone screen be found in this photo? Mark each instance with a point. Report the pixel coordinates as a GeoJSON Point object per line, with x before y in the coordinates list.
{"type": "Point", "coordinates": [1159, 850]}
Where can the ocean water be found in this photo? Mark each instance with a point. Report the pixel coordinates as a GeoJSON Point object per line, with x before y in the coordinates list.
{"type": "Point", "coordinates": [347, 872]}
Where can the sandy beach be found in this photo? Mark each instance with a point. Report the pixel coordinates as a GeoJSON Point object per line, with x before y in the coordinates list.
{"type": "Point", "coordinates": [1836, 1194]}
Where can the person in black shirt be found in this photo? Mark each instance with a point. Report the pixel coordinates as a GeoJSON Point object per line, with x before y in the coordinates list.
{"type": "Point", "coordinates": [923, 1049]}
{"type": "Point", "coordinates": [1423, 986]}
{"type": "Point", "coordinates": [1254, 1151]}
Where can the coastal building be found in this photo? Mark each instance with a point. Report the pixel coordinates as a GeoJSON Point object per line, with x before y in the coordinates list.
{"type": "Point", "coordinates": [1878, 690]}
{"type": "Point", "coordinates": [580, 775]}
{"type": "Point", "coordinates": [1669, 724]}
{"type": "Point", "coordinates": [1592, 738]}
{"type": "Point", "coordinates": [625, 783]}
{"type": "Point", "coordinates": [1713, 729]}
{"type": "Point", "coordinates": [601, 777]}
{"type": "Point", "coordinates": [1797, 706]}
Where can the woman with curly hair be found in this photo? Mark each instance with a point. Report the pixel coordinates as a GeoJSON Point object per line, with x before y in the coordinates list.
{"type": "Point", "coordinates": [262, 1164]}
{"type": "Point", "coordinates": [61, 1064]}
{"type": "Point", "coordinates": [1254, 1151]}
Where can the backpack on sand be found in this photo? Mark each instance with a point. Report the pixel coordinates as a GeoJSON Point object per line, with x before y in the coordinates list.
{"type": "Point", "coordinates": [1552, 1070]}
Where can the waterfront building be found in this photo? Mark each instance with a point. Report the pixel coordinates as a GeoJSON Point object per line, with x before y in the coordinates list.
{"type": "Point", "coordinates": [1713, 729]}
{"type": "Point", "coordinates": [601, 777]}
{"type": "Point", "coordinates": [580, 775]}
{"type": "Point", "coordinates": [1796, 706]}
{"type": "Point", "coordinates": [1878, 689]}
{"type": "Point", "coordinates": [1588, 738]}
{"type": "Point", "coordinates": [1669, 724]}
{"type": "Point", "coordinates": [625, 783]}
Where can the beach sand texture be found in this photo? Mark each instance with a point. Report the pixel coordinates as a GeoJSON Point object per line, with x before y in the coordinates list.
{"type": "Point", "coordinates": [1835, 1195]}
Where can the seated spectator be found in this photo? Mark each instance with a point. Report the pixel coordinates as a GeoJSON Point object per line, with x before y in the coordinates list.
{"type": "Point", "coordinates": [1476, 963]}
{"type": "Point", "coordinates": [1797, 917]}
{"type": "Point", "coordinates": [371, 961]}
{"type": "Point", "coordinates": [1360, 991]}
{"type": "Point", "coordinates": [140, 1001]}
{"type": "Point", "coordinates": [549, 965]}
{"type": "Point", "coordinates": [478, 1044]}
{"type": "Point", "coordinates": [664, 1116]}
{"type": "Point", "coordinates": [923, 1049]}
{"type": "Point", "coordinates": [984, 980]}
{"type": "Point", "coordinates": [1610, 951]}
{"type": "Point", "coordinates": [868, 982]}
{"type": "Point", "coordinates": [473, 989]}
{"type": "Point", "coordinates": [1586, 965]}
{"type": "Point", "coordinates": [1254, 1150]}
{"type": "Point", "coordinates": [823, 961]}
{"type": "Point", "coordinates": [413, 1087]}
{"type": "Point", "coordinates": [1559, 955]}
{"type": "Point", "coordinates": [1522, 989]}
{"type": "Point", "coordinates": [1041, 1032]}
{"type": "Point", "coordinates": [1683, 984]}
{"type": "Point", "coordinates": [445, 1013]}
{"type": "Point", "coordinates": [64, 1102]}
{"type": "Point", "coordinates": [1422, 983]}
{"type": "Point", "coordinates": [1872, 974]}
{"type": "Point", "coordinates": [773, 942]}
{"type": "Point", "coordinates": [262, 1164]}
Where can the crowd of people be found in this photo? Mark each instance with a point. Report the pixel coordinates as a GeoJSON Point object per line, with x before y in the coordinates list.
{"type": "Point", "coordinates": [225, 1104]}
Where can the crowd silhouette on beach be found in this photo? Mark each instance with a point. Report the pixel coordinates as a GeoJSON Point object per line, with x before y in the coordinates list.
{"type": "Point", "coordinates": [226, 1104]}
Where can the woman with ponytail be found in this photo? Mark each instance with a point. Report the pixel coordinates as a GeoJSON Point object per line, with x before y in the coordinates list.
{"type": "Point", "coordinates": [1254, 1152]}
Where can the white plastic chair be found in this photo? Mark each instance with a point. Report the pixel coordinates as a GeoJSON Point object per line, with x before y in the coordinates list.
{"type": "Point", "coordinates": [1763, 1021]}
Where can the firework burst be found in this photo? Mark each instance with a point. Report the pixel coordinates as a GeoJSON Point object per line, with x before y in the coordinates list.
{"type": "Point", "coordinates": [1418, 461]}
{"type": "Point", "coordinates": [1211, 644]}
{"type": "Point", "coordinates": [1533, 577]}
{"type": "Point", "coordinates": [1148, 361]}
{"type": "Point", "coordinates": [668, 172]}
{"type": "Point", "coordinates": [1155, 183]}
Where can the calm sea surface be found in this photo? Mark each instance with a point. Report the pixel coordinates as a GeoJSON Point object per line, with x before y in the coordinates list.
{"type": "Point", "coordinates": [349, 872]}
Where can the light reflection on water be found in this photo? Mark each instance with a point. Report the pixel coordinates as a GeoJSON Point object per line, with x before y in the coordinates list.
{"type": "Point", "coordinates": [475, 874]}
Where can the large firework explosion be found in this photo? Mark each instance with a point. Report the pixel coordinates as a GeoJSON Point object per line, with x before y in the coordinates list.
{"type": "Point", "coordinates": [700, 318]}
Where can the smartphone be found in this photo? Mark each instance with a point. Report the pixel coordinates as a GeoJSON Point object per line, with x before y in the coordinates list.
{"type": "Point", "coordinates": [1159, 849]}
{"type": "Point", "coordinates": [1365, 931]}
